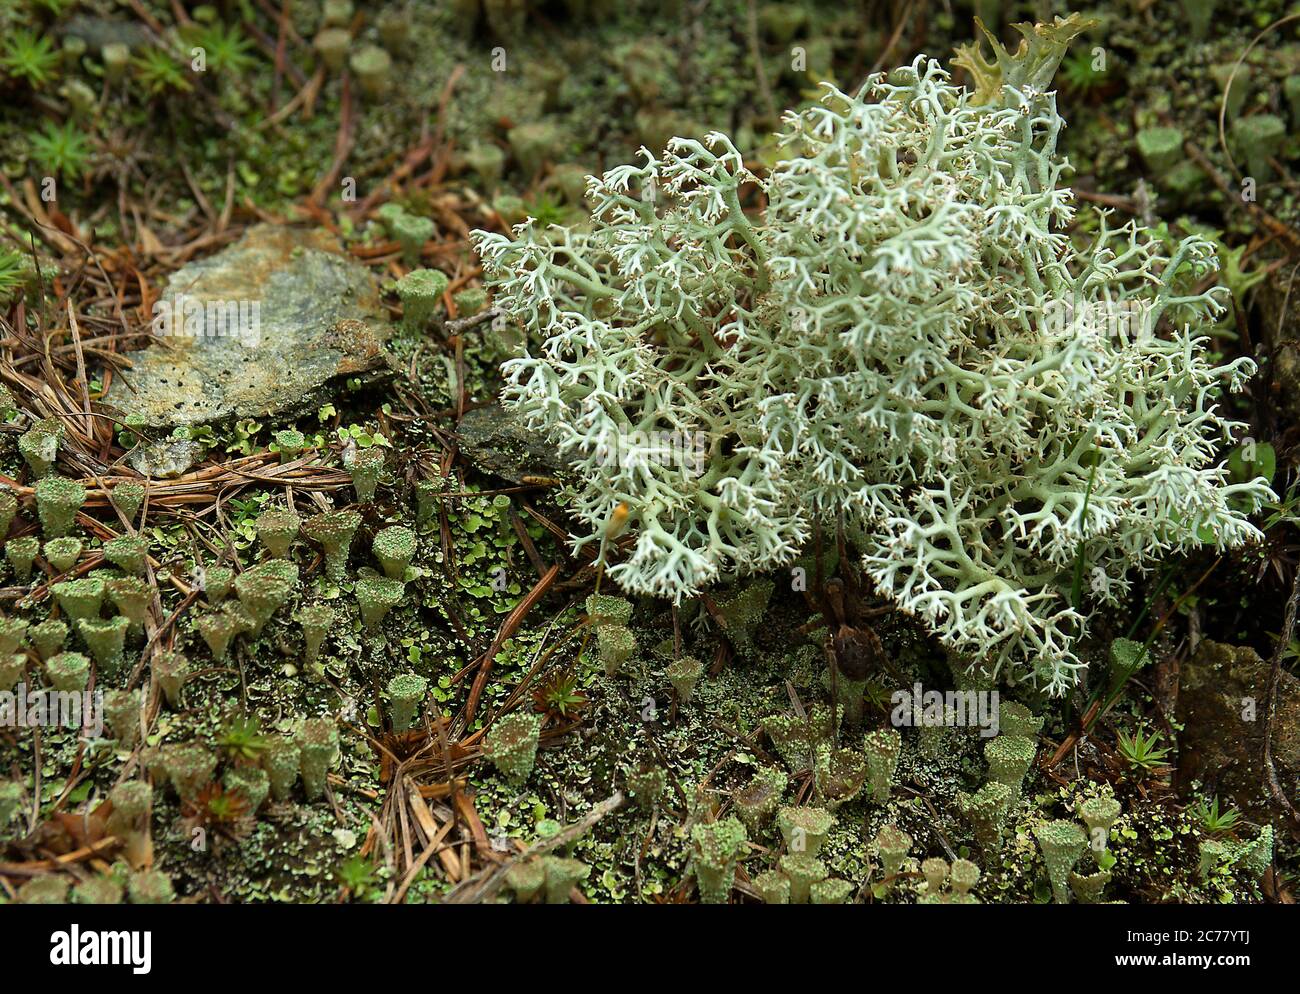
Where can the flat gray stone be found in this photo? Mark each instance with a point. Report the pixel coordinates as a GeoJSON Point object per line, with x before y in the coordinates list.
{"type": "Point", "coordinates": [495, 441]}
{"type": "Point", "coordinates": [256, 330]}
{"type": "Point", "coordinates": [164, 460]}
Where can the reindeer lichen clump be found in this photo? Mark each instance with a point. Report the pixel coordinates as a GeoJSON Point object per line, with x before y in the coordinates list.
{"type": "Point", "coordinates": [907, 337]}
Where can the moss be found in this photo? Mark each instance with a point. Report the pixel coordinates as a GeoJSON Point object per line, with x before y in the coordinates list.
{"type": "Point", "coordinates": [376, 596]}
{"type": "Point", "coordinates": [106, 641]}
{"type": "Point", "coordinates": [333, 530]}
{"type": "Point", "coordinates": [511, 745]}
{"type": "Point", "coordinates": [63, 553]}
{"type": "Point", "coordinates": [394, 547]}
{"type": "Point", "coordinates": [68, 671]}
{"type": "Point", "coordinates": [277, 528]}
{"type": "Point", "coordinates": [21, 553]}
{"type": "Point", "coordinates": [58, 500]}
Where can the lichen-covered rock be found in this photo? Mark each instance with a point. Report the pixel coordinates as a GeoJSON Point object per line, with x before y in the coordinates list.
{"type": "Point", "coordinates": [1221, 703]}
{"type": "Point", "coordinates": [256, 329]}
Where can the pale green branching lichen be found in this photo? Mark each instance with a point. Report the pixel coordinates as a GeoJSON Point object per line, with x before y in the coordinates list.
{"type": "Point", "coordinates": [907, 338]}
